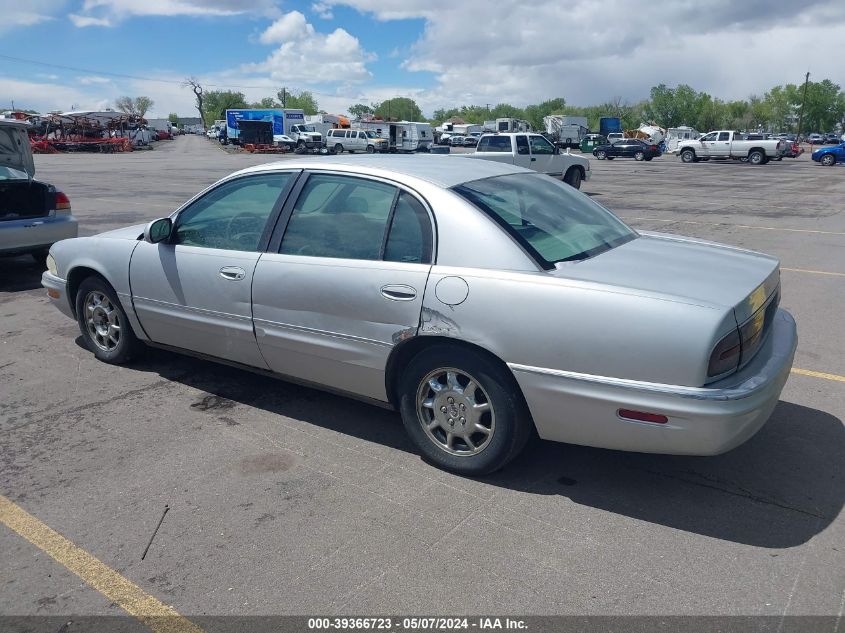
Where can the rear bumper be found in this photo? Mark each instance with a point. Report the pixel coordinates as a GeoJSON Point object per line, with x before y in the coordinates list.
{"type": "Point", "coordinates": [57, 292]}
{"type": "Point", "coordinates": [582, 409]}
{"type": "Point", "coordinates": [35, 234]}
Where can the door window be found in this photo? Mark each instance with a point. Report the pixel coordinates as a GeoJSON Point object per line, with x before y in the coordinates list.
{"type": "Point", "coordinates": [539, 145]}
{"type": "Point", "coordinates": [232, 216]}
{"type": "Point", "coordinates": [709, 137]}
{"type": "Point", "coordinates": [724, 136]}
{"type": "Point", "coordinates": [339, 216]}
{"type": "Point", "coordinates": [410, 236]}
{"type": "Point", "coordinates": [522, 145]}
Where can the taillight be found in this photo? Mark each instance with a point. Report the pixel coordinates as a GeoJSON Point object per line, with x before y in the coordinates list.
{"type": "Point", "coordinates": [62, 201]}
{"type": "Point", "coordinates": [653, 148]}
{"type": "Point", "coordinates": [725, 356]}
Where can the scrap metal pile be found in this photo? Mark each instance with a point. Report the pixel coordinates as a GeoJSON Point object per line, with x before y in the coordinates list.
{"type": "Point", "coordinates": [87, 131]}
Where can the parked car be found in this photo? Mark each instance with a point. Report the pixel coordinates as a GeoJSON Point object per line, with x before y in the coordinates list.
{"type": "Point", "coordinates": [343, 140]}
{"type": "Point", "coordinates": [283, 140]}
{"type": "Point", "coordinates": [832, 138]}
{"type": "Point", "coordinates": [724, 144]}
{"type": "Point", "coordinates": [591, 141]}
{"type": "Point", "coordinates": [794, 150]}
{"type": "Point", "coordinates": [242, 273]}
{"type": "Point", "coordinates": [471, 140]}
{"type": "Point", "coordinates": [829, 156]}
{"type": "Point", "coordinates": [456, 140]}
{"type": "Point", "coordinates": [815, 139]}
{"type": "Point", "coordinates": [33, 214]}
{"type": "Point", "coordinates": [535, 152]}
{"type": "Point", "coordinates": [627, 148]}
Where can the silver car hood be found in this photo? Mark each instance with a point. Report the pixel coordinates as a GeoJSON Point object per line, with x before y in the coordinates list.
{"type": "Point", "coordinates": [125, 233]}
{"type": "Point", "coordinates": [15, 150]}
{"type": "Point", "coordinates": [688, 269]}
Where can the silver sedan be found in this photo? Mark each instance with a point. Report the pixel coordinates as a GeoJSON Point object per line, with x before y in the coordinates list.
{"type": "Point", "coordinates": [484, 301]}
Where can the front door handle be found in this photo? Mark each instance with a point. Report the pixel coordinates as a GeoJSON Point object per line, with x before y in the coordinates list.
{"type": "Point", "coordinates": [232, 273]}
{"type": "Point", "coordinates": [399, 292]}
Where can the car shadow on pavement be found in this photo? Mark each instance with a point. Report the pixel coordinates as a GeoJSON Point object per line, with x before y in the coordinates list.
{"type": "Point", "coordinates": [18, 274]}
{"type": "Point", "coordinates": [778, 490]}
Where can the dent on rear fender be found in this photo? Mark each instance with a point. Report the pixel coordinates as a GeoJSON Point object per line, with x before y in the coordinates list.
{"type": "Point", "coordinates": [435, 322]}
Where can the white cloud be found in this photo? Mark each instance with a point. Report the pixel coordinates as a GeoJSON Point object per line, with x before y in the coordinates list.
{"type": "Point", "coordinates": [307, 56]}
{"type": "Point", "coordinates": [87, 80]}
{"type": "Point", "coordinates": [291, 26]}
{"type": "Point", "coordinates": [82, 21]}
{"type": "Point", "coordinates": [589, 51]}
{"type": "Point", "coordinates": [17, 13]}
{"type": "Point", "coordinates": [322, 10]}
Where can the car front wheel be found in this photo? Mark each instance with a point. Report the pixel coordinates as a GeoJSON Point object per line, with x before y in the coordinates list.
{"type": "Point", "coordinates": [338, 149]}
{"type": "Point", "coordinates": [688, 156]}
{"type": "Point", "coordinates": [828, 159]}
{"type": "Point", "coordinates": [573, 177]}
{"type": "Point", "coordinates": [463, 411]}
{"type": "Point", "coordinates": [103, 323]}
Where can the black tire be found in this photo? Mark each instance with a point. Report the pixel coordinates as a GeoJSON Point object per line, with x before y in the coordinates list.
{"type": "Point", "coordinates": [639, 156]}
{"type": "Point", "coordinates": [573, 177]}
{"type": "Point", "coordinates": [338, 149]}
{"type": "Point", "coordinates": [648, 158]}
{"type": "Point", "coordinates": [611, 157]}
{"type": "Point", "coordinates": [601, 154]}
{"type": "Point", "coordinates": [828, 160]}
{"type": "Point", "coordinates": [756, 157]}
{"type": "Point", "coordinates": [512, 426]}
{"type": "Point", "coordinates": [127, 345]}
{"type": "Point", "coordinates": [688, 156]}
{"type": "Point", "coordinates": [40, 257]}
{"type": "Point", "coordinates": [370, 149]}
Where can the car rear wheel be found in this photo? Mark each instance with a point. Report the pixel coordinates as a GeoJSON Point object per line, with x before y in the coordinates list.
{"type": "Point", "coordinates": [573, 177]}
{"type": "Point", "coordinates": [639, 156]}
{"type": "Point", "coordinates": [103, 323]}
{"type": "Point", "coordinates": [756, 157]}
{"type": "Point", "coordinates": [601, 155]}
{"type": "Point", "coordinates": [463, 411]}
{"type": "Point", "coordinates": [688, 156]}
{"type": "Point", "coordinates": [338, 149]}
{"type": "Point", "coordinates": [828, 159]}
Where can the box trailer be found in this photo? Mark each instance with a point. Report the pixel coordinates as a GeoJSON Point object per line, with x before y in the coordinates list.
{"type": "Point", "coordinates": [402, 136]}
{"type": "Point", "coordinates": [280, 122]}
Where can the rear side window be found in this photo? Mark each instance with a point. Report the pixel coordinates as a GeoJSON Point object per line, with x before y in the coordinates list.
{"type": "Point", "coordinates": [495, 144]}
{"type": "Point", "coordinates": [522, 145]}
{"type": "Point", "coordinates": [725, 136]}
{"type": "Point", "coordinates": [410, 236]}
{"type": "Point", "coordinates": [339, 216]}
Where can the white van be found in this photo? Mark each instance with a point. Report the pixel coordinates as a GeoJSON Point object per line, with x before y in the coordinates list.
{"type": "Point", "coordinates": [340, 140]}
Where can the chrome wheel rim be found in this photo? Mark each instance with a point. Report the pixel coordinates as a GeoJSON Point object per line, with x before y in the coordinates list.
{"type": "Point", "coordinates": [102, 321]}
{"type": "Point", "coordinates": [455, 412]}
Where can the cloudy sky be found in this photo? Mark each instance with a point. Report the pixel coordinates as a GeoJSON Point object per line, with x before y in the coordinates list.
{"type": "Point", "coordinates": [441, 53]}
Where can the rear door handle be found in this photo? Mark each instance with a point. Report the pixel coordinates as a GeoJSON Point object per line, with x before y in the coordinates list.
{"type": "Point", "coordinates": [533, 159]}
{"type": "Point", "coordinates": [399, 292]}
{"type": "Point", "coordinates": [232, 273]}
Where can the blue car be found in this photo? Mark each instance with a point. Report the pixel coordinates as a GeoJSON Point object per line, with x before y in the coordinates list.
{"type": "Point", "coordinates": [828, 156]}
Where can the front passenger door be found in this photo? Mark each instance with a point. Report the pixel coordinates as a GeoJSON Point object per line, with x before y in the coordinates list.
{"type": "Point", "coordinates": [193, 292]}
{"type": "Point", "coordinates": [543, 157]}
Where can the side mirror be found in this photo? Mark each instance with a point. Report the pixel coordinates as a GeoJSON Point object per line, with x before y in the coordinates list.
{"type": "Point", "coordinates": [158, 230]}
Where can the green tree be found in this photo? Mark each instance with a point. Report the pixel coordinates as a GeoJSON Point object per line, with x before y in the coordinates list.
{"type": "Point", "coordinates": [359, 110]}
{"type": "Point", "coordinates": [825, 106]}
{"type": "Point", "coordinates": [136, 106]}
{"type": "Point", "coordinates": [399, 109]}
{"type": "Point", "coordinates": [267, 103]}
{"type": "Point", "coordinates": [303, 100]}
{"type": "Point", "coordinates": [173, 118]}
{"type": "Point", "coordinates": [216, 102]}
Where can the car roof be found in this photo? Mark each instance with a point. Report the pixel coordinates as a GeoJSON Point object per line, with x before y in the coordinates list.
{"type": "Point", "coordinates": [444, 171]}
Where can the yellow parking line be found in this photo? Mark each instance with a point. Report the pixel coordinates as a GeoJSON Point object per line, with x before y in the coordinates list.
{"type": "Point", "coordinates": [814, 272]}
{"type": "Point", "coordinates": [127, 595]}
{"type": "Point", "coordinates": [818, 374]}
{"type": "Point", "coordinates": [739, 226]}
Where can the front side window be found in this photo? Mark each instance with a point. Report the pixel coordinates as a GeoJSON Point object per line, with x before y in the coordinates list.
{"type": "Point", "coordinates": [709, 137]}
{"type": "Point", "coordinates": [232, 216]}
{"type": "Point", "coordinates": [339, 216]}
{"type": "Point", "coordinates": [539, 145]}
{"type": "Point", "coordinates": [549, 219]}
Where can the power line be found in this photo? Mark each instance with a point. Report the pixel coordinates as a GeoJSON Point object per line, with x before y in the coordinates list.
{"type": "Point", "coordinates": [137, 78]}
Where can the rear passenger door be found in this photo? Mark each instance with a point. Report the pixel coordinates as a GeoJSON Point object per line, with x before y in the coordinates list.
{"type": "Point", "coordinates": [343, 281]}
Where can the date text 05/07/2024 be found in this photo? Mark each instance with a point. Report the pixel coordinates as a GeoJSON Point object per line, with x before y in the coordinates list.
{"type": "Point", "coordinates": [415, 623]}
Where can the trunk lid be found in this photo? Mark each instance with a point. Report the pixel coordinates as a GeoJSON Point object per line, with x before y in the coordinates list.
{"type": "Point", "coordinates": [15, 150]}
{"type": "Point", "coordinates": [687, 269]}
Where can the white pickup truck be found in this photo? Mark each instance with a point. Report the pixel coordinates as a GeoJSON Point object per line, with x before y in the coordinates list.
{"type": "Point", "coordinates": [533, 151]}
{"type": "Point", "coordinates": [723, 144]}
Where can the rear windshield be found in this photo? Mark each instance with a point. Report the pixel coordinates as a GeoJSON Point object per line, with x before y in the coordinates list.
{"type": "Point", "coordinates": [552, 221]}
{"type": "Point", "coordinates": [7, 173]}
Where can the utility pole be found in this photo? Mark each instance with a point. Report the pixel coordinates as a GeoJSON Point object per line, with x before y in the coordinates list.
{"type": "Point", "coordinates": [803, 101]}
{"type": "Point", "coordinates": [284, 96]}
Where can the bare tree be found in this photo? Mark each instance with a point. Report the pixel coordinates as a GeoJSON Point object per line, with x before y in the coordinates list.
{"type": "Point", "coordinates": [195, 85]}
{"type": "Point", "coordinates": [126, 104]}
